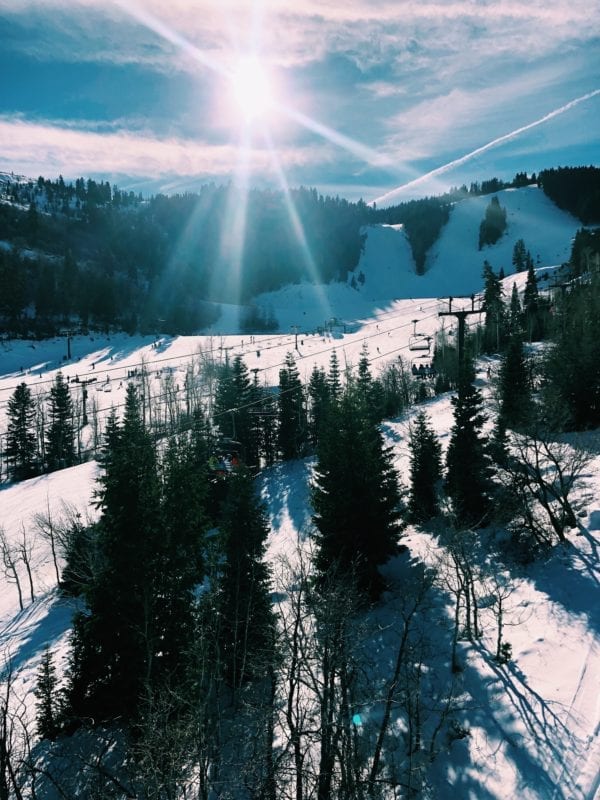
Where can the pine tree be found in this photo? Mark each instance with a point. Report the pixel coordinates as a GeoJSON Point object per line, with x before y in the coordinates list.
{"type": "Point", "coordinates": [48, 701]}
{"type": "Point", "coordinates": [245, 619]}
{"type": "Point", "coordinates": [494, 223]}
{"type": "Point", "coordinates": [515, 316]}
{"type": "Point", "coordinates": [292, 435]}
{"type": "Point", "coordinates": [60, 436]}
{"type": "Point", "coordinates": [518, 257]}
{"type": "Point", "coordinates": [318, 394]}
{"type": "Point", "coordinates": [334, 380]}
{"type": "Point", "coordinates": [180, 556]}
{"type": "Point", "coordinates": [531, 306]}
{"type": "Point", "coordinates": [21, 447]}
{"type": "Point", "coordinates": [370, 392]}
{"type": "Point", "coordinates": [232, 402]}
{"type": "Point", "coordinates": [116, 641]}
{"type": "Point", "coordinates": [355, 498]}
{"type": "Point", "coordinates": [425, 469]}
{"type": "Point", "coordinates": [495, 313]}
{"type": "Point", "coordinates": [468, 477]}
{"type": "Point", "coordinates": [514, 389]}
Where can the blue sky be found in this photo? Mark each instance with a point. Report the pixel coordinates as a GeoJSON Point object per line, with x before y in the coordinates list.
{"type": "Point", "coordinates": [363, 96]}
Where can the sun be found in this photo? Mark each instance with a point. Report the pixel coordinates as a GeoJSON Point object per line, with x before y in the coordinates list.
{"type": "Point", "coordinates": [252, 89]}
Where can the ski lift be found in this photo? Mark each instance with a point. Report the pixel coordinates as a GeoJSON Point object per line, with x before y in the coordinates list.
{"type": "Point", "coordinates": [418, 341]}
{"type": "Point", "coordinates": [422, 369]}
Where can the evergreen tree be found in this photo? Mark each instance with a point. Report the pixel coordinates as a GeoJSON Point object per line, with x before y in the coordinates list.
{"type": "Point", "coordinates": [117, 641]}
{"type": "Point", "coordinates": [292, 435]}
{"type": "Point", "coordinates": [21, 447]}
{"type": "Point", "coordinates": [468, 474]}
{"type": "Point", "coordinates": [518, 257]}
{"type": "Point", "coordinates": [334, 380]}
{"type": "Point", "coordinates": [180, 548]}
{"type": "Point", "coordinates": [495, 313]}
{"type": "Point", "coordinates": [232, 402]}
{"type": "Point", "coordinates": [425, 469]}
{"type": "Point", "coordinates": [514, 389]}
{"type": "Point", "coordinates": [369, 391]}
{"type": "Point", "coordinates": [318, 394]}
{"type": "Point", "coordinates": [515, 316]}
{"type": "Point", "coordinates": [355, 497]}
{"type": "Point", "coordinates": [532, 306]}
{"type": "Point", "coordinates": [494, 223]}
{"type": "Point", "coordinates": [48, 702]}
{"type": "Point", "coordinates": [60, 435]}
{"type": "Point", "coordinates": [572, 365]}
{"type": "Point", "coordinates": [246, 631]}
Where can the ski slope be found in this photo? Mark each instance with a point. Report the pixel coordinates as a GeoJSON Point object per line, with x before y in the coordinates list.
{"type": "Point", "coordinates": [533, 723]}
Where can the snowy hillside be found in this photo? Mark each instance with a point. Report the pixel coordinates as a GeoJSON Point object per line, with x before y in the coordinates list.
{"type": "Point", "coordinates": [454, 263]}
{"type": "Point", "coordinates": [528, 729]}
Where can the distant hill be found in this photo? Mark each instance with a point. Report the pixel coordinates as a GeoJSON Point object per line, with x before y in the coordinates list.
{"type": "Point", "coordinates": [89, 255]}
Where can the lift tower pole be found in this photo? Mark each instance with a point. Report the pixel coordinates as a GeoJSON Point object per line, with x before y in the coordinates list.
{"type": "Point", "coordinates": [461, 315]}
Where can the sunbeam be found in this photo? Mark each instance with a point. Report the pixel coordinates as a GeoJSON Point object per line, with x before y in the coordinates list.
{"type": "Point", "coordinates": [233, 227]}
{"type": "Point", "coordinates": [154, 24]}
{"type": "Point", "coordinates": [297, 227]}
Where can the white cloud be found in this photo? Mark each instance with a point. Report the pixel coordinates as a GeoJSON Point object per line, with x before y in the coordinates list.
{"type": "Point", "coordinates": [291, 33]}
{"type": "Point", "coordinates": [32, 148]}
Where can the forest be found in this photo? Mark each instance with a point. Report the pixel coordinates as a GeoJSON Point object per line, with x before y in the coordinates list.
{"type": "Point", "coordinates": [184, 673]}
{"type": "Point", "coordinates": [91, 256]}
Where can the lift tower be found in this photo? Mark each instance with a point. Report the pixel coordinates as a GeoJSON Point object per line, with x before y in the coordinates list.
{"type": "Point", "coordinates": [461, 315]}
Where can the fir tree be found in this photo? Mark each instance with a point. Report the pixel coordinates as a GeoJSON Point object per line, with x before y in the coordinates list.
{"type": "Point", "coordinates": [531, 306]}
{"type": "Point", "coordinates": [117, 640]}
{"type": "Point", "coordinates": [180, 547]}
{"type": "Point", "coordinates": [292, 434]}
{"type": "Point", "coordinates": [232, 399]}
{"type": "Point", "coordinates": [518, 256]}
{"type": "Point", "coordinates": [355, 498]}
{"type": "Point", "coordinates": [495, 313]}
{"type": "Point", "coordinates": [514, 389]}
{"type": "Point", "coordinates": [515, 316]}
{"type": "Point", "coordinates": [425, 469]}
{"type": "Point", "coordinates": [494, 223]}
{"type": "Point", "coordinates": [468, 474]}
{"type": "Point", "coordinates": [318, 394]}
{"type": "Point", "coordinates": [334, 380]}
{"type": "Point", "coordinates": [21, 447]}
{"type": "Point", "coordinates": [245, 619]}
{"type": "Point", "coordinates": [369, 391]}
{"type": "Point", "coordinates": [48, 702]}
{"type": "Point", "coordinates": [60, 436]}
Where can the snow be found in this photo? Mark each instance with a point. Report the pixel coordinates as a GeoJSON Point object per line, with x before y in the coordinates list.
{"type": "Point", "coordinates": [534, 723]}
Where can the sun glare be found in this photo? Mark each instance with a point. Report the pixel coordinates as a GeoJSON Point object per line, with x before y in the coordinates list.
{"type": "Point", "coordinates": [252, 89]}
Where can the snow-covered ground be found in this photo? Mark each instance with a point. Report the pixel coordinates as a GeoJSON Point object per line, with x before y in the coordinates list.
{"type": "Point", "coordinates": [533, 723]}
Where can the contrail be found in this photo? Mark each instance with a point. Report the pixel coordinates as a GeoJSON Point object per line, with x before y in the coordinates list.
{"type": "Point", "coordinates": [458, 161]}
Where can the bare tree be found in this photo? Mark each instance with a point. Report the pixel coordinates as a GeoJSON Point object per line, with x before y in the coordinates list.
{"type": "Point", "coordinates": [542, 475]}
{"type": "Point", "coordinates": [47, 530]}
{"type": "Point", "coordinates": [15, 739]}
{"type": "Point", "coordinates": [25, 549]}
{"type": "Point", "coordinates": [10, 564]}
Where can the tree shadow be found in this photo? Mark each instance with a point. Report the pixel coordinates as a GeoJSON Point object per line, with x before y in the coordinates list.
{"type": "Point", "coordinates": [33, 631]}
{"type": "Point", "coordinates": [285, 490]}
{"type": "Point", "coordinates": [570, 576]}
{"type": "Point", "coordinates": [548, 733]}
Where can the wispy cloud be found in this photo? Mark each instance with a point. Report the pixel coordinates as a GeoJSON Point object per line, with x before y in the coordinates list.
{"type": "Point", "coordinates": [34, 147]}
{"type": "Point", "coordinates": [305, 30]}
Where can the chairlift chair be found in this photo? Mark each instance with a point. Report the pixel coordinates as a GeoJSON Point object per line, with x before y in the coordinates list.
{"type": "Point", "coordinates": [419, 342]}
